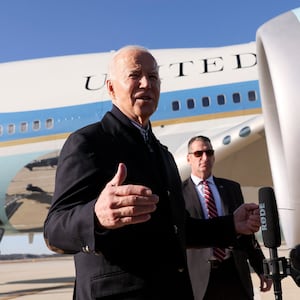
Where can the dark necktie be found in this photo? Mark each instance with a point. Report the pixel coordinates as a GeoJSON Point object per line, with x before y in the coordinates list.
{"type": "Point", "coordinates": [219, 253]}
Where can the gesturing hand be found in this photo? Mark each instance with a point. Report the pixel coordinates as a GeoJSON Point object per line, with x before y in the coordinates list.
{"type": "Point", "coordinates": [246, 218]}
{"type": "Point", "coordinates": [119, 205]}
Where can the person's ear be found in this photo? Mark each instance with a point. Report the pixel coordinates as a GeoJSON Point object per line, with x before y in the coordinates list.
{"type": "Point", "coordinates": [110, 88]}
{"type": "Point", "coordinates": [188, 158]}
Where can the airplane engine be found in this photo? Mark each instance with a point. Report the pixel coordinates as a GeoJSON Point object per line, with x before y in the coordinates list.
{"type": "Point", "coordinates": [278, 56]}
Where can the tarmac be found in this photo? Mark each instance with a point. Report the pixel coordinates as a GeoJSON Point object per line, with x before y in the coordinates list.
{"type": "Point", "coordinates": [53, 278]}
{"type": "Point", "coordinates": [37, 279]}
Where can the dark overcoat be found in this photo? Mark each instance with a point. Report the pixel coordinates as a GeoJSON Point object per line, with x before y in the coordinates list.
{"type": "Point", "coordinates": [142, 261]}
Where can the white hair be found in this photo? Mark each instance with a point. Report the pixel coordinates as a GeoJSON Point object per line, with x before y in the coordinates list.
{"type": "Point", "coordinates": [111, 66]}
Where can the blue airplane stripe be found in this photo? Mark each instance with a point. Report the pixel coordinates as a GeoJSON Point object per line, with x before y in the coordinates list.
{"type": "Point", "coordinates": [166, 99]}
{"type": "Point", "coordinates": [70, 118]}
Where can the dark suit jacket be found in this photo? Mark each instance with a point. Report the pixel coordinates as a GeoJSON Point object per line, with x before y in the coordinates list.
{"type": "Point", "coordinates": [199, 268]}
{"type": "Point", "coordinates": [146, 260]}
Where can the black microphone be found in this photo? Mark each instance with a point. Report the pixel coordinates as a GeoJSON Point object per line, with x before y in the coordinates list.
{"type": "Point", "coordinates": [270, 227]}
{"type": "Point", "coordinates": [276, 267]}
{"type": "Point", "coordinates": [272, 239]}
{"type": "Point", "coordinates": [295, 257]}
{"type": "Point", "coordinates": [295, 264]}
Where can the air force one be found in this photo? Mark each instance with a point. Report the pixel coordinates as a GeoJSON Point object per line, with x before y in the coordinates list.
{"type": "Point", "coordinates": [244, 97]}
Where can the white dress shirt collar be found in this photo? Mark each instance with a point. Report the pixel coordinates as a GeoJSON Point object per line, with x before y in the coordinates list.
{"type": "Point", "coordinates": [197, 180]}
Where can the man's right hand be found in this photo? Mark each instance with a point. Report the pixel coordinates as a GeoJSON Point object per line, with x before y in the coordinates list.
{"type": "Point", "coordinates": [119, 205]}
{"type": "Point", "coordinates": [247, 219]}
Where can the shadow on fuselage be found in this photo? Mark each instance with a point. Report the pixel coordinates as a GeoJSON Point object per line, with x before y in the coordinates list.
{"type": "Point", "coordinates": [46, 162]}
{"type": "Point", "coordinates": [29, 194]}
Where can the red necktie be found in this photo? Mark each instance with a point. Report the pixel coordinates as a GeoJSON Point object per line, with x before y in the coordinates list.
{"type": "Point", "coordinates": [219, 253]}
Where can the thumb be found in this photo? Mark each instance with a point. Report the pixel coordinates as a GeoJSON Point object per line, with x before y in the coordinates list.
{"type": "Point", "coordinates": [120, 176]}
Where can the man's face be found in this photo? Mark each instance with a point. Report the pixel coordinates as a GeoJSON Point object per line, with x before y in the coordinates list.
{"type": "Point", "coordinates": [202, 165]}
{"type": "Point", "coordinates": [135, 85]}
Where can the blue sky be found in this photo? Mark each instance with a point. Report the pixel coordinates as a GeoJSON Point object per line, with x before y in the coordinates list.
{"type": "Point", "coordinates": [41, 28]}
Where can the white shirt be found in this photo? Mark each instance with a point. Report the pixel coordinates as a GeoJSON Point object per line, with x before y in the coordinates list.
{"type": "Point", "coordinates": [143, 131]}
{"type": "Point", "coordinates": [200, 189]}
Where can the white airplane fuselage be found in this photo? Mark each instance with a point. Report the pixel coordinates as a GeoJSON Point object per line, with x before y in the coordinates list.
{"type": "Point", "coordinates": [47, 99]}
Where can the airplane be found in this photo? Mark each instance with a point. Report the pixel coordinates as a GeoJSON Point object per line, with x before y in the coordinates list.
{"type": "Point", "coordinates": [223, 93]}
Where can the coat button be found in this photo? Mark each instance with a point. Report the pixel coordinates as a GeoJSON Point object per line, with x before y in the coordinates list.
{"type": "Point", "coordinates": [180, 270]}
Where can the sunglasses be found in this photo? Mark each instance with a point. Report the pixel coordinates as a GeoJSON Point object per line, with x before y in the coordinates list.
{"type": "Point", "coordinates": [199, 153]}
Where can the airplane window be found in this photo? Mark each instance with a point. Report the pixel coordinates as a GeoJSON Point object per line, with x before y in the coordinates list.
{"type": "Point", "coordinates": [236, 97]}
{"type": "Point", "coordinates": [1, 129]}
{"type": "Point", "coordinates": [11, 129]}
{"type": "Point", "coordinates": [175, 105]}
{"type": "Point", "coordinates": [23, 126]}
{"type": "Point", "coordinates": [49, 123]}
{"type": "Point", "coordinates": [245, 131]}
{"type": "Point", "coordinates": [252, 95]}
{"type": "Point", "coordinates": [190, 103]}
{"type": "Point", "coordinates": [227, 140]}
{"type": "Point", "coordinates": [36, 125]}
{"type": "Point", "coordinates": [221, 99]}
{"type": "Point", "coordinates": [205, 101]}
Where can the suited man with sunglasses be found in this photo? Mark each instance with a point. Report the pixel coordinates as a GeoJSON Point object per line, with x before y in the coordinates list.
{"type": "Point", "coordinates": [212, 277]}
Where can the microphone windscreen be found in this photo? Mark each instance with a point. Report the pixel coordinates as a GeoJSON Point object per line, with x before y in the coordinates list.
{"type": "Point", "coordinates": [295, 257]}
{"type": "Point", "coordinates": [270, 227]}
